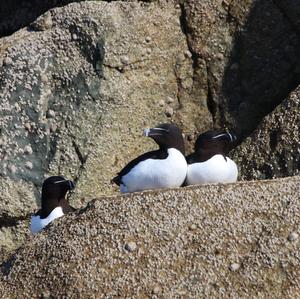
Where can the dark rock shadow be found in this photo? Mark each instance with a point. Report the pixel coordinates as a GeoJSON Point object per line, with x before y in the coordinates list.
{"type": "Point", "coordinates": [264, 64]}
{"type": "Point", "coordinates": [16, 14]}
{"type": "Point", "coordinates": [7, 265]}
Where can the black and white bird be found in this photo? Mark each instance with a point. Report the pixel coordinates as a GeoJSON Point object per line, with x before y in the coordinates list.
{"type": "Point", "coordinates": [163, 168]}
{"type": "Point", "coordinates": [209, 164]}
{"type": "Point", "coordinates": [54, 204]}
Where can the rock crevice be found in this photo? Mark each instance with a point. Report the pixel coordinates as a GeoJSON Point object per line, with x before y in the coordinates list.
{"type": "Point", "coordinates": [10, 221]}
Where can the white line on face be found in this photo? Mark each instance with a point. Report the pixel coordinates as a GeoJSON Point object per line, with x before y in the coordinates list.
{"type": "Point", "coordinates": [218, 136]}
{"type": "Point", "coordinates": [160, 129]}
{"type": "Point", "coordinates": [61, 181]}
{"type": "Point", "coordinates": [231, 138]}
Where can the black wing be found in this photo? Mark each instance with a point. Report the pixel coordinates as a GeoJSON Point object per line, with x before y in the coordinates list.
{"type": "Point", "coordinates": [158, 154]}
{"type": "Point", "coordinates": [198, 158]}
{"type": "Point", "coordinates": [38, 213]}
{"type": "Point", "coordinates": [192, 158]}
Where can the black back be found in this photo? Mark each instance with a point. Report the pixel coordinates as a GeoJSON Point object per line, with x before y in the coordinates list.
{"type": "Point", "coordinates": [166, 136]}
{"type": "Point", "coordinates": [212, 143]}
{"type": "Point", "coordinates": [54, 190]}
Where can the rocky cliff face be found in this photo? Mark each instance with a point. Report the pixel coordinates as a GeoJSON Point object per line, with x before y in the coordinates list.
{"type": "Point", "coordinates": [77, 89]}
{"type": "Point", "coordinates": [273, 150]}
{"type": "Point", "coordinates": [78, 85]}
{"type": "Point", "coordinates": [219, 241]}
{"type": "Point", "coordinates": [246, 57]}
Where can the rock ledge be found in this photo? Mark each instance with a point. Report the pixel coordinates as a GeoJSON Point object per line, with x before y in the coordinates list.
{"type": "Point", "coordinates": [217, 241]}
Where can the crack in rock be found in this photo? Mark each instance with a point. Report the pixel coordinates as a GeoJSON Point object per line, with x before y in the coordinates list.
{"type": "Point", "coordinates": [11, 221]}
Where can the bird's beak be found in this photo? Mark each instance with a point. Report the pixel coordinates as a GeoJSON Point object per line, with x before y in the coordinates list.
{"type": "Point", "coordinates": [146, 132]}
{"type": "Point", "coordinates": [149, 132]}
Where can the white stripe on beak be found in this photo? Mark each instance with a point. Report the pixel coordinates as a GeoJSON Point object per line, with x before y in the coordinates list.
{"type": "Point", "coordinates": [146, 132]}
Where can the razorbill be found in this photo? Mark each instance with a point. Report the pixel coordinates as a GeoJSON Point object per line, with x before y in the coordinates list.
{"type": "Point", "coordinates": [54, 204]}
{"type": "Point", "coordinates": [209, 164]}
{"type": "Point", "coordinates": [163, 168]}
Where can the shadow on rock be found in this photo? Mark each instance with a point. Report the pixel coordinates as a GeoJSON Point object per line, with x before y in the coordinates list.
{"type": "Point", "coordinates": [16, 14]}
{"type": "Point", "coordinates": [264, 65]}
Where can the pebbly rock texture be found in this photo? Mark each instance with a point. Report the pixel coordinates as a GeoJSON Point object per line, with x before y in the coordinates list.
{"type": "Point", "coordinates": [77, 88]}
{"type": "Point", "coordinates": [17, 202]}
{"type": "Point", "coordinates": [13, 233]}
{"type": "Point", "coordinates": [245, 54]}
{"type": "Point", "coordinates": [78, 85]}
{"type": "Point", "coordinates": [273, 150]}
{"type": "Point", "coordinates": [215, 241]}
{"type": "Point", "coordinates": [246, 57]}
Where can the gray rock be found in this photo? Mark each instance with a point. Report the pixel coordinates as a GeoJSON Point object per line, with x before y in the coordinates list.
{"type": "Point", "coordinates": [293, 236]}
{"type": "Point", "coordinates": [273, 149]}
{"type": "Point", "coordinates": [169, 111]}
{"type": "Point", "coordinates": [82, 254]}
{"type": "Point", "coordinates": [234, 267]}
{"type": "Point", "coordinates": [68, 90]}
{"type": "Point", "coordinates": [77, 107]}
{"type": "Point", "coordinates": [13, 233]}
{"type": "Point", "coordinates": [7, 61]}
{"type": "Point", "coordinates": [130, 246]}
{"type": "Point", "coordinates": [261, 38]}
{"type": "Point", "coordinates": [44, 22]}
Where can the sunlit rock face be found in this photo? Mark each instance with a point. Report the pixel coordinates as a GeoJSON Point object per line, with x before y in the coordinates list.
{"type": "Point", "coordinates": [210, 241]}
{"type": "Point", "coordinates": [78, 86]}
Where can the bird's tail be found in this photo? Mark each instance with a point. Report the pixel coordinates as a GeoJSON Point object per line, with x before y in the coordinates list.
{"type": "Point", "coordinates": [116, 180]}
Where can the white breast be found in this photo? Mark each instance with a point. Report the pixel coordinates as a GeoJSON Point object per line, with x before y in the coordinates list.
{"type": "Point", "coordinates": [156, 173]}
{"type": "Point", "coordinates": [214, 170]}
{"type": "Point", "coordinates": [37, 224]}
